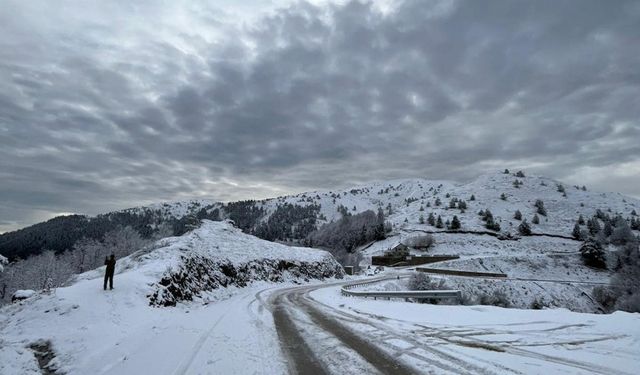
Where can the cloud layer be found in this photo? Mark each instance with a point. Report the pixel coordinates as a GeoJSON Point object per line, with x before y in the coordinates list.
{"type": "Point", "coordinates": [120, 104]}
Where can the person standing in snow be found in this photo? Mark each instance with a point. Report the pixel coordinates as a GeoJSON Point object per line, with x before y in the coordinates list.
{"type": "Point", "coordinates": [111, 267]}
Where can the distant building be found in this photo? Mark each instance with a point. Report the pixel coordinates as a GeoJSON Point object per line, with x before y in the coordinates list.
{"type": "Point", "coordinates": [349, 270]}
{"type": "Point", "coordinates": [399, 251]}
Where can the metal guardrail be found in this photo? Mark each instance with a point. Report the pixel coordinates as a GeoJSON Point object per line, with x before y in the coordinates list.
{"type": "Point", "coordinates": [415, 294]}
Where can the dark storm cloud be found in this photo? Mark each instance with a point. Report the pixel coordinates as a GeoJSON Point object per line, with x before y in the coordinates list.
{"type": "Point", "coordinates": [125, 104]}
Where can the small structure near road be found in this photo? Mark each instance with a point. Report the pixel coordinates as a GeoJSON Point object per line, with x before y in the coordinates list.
{"type": "Point", "coordinates": [400, 256]}
{"type": "Point", "coordinates": [349, 270]}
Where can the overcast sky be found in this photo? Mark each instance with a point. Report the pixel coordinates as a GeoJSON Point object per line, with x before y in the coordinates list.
{"type": "Point", "coordinates": [111, 104]}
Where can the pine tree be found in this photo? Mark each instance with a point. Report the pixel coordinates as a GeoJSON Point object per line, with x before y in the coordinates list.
{"type": "Point", "coordinates": [577, 234]}
{"type": "Point", "coordinates": [520, 174]}
{"type": "Point", "coordinates": [503, 196]}
{"type": "Point", "coordinates": [439, 223]}
{"type": "Point", "coordinates": [593, 254]}
{"type": "Point", "coordinates": [455, 223]}
{"type": "Point", "coordinates": [421, 221]}
{"type": "Point", "coordinates": [580, 220]}
{"type": "Point", "coordinates": [524, 228]}
{"type": "Point", "coordinates": [438, 202]}
{"type": "Point", "coordinates": [540, 206]}
{"type": "Point", "coordinates": [462, 205]}
{"type": "Point", "coordinates": [421, 208]}
{"type": "Point", "coordinates": [594, 226]}
{"type": "Point", "coordinates": [447, 224]}
{"type": "Point", "coordinates": [431, 219]}
{"type": "Point", "coordinates": [506, 171]}
{"type": "Point", "coordinates": [608, 229]}
{"type": "Point", "coordinates": [517, 215]}
{"type": "Point", "coordinates": [536, 219]}
{"type": "Point", "coordinates": [473, 197]}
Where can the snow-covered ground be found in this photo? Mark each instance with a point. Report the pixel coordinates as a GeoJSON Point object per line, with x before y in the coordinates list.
{"type": "Point", "coordinates": [492, 340]}
{"type": "Point", "coordinates": [221, 328]}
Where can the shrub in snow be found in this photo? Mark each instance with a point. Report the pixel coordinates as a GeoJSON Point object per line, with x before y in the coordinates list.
{"type": "Point", "coordinates": [496, 298]}
{"type": "Point", "coordinates": [439, 223]}
{"type": "Point", "coordinates": [537, 304]}
{"type": "Point", "coordinates": [420, 242]}
{"type": "Point", "coordinates": [421, 281]}
{"type": "Point", "coordinates": [622, 234]}
{"type": "Point", "coordinates": [517, 215]}
{"type": "Point", "coordinates": [593, 254]}
{"type": "Point", "coordinates": [536, 219]}
{"type": "Point", "coordinates": [524, 228]}
{"type": "Point", "coordinates": [20, 295]}
{"type": "Point", "coordinates": [198, 274]}
{"type": "Point", "coordinates": [520, 174]}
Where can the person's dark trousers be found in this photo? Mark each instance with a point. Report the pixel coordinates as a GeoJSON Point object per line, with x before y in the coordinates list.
{"type": "Point", "coordinates": [110, 278]}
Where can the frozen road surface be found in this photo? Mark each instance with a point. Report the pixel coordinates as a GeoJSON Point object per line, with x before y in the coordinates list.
{"type": "Point", "coordinates": [321, 331]}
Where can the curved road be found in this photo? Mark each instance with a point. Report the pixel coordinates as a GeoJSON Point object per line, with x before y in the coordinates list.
{"type": "Point", "coordinates": [321, 339]}
{"type": "Point", "coordinates": [298, 317]}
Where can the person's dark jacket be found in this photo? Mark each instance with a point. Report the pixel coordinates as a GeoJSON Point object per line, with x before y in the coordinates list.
{"type": "Point", "coordinates": [111, 265]}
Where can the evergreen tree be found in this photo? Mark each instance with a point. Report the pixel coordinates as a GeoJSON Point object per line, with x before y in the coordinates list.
{"type": "Point", "coordinates": [577, 233]}
{"type": "Point", "coordinates": [452, 203]}
{"type": "Point", "coordinates": [462, 205]}
{"type": "Point", "coordinates": [506, 171]}
{"type": "Point", "coordinates": [520, 174]}
{"type": "Point", "coordinates": [540, 207]}
{"type": "Point", "coordinates": [593, 254]}
{"type": "Point", "coordinates": [503, 196]}
{"type": "Point", "coordinates": [455, 223]}
{"type": "Point", "coordinates": [536, 219]}
{"type": "Point", "coordinates": [421, 221]}
{"type": "Point", "coordinates": [421, 208]}
{"type": "Point", "coordinates": [438, 202]}
{"type": "Point", "coordinates": [439, 223]}
{"type": "Point", "coordinates": [608, 229]}
{"type": "Point", "coordinates": [473, 197]}
{"type": "Point", "coordinates": [517, 215]}
{"type": "Point", "coordinates": [594, 226]}
{"type": "Point", "coordinates": [431, 219]}
{"type": "Point", "coordinates": [524, 228]}
{"type": "Point", "coordinates": [447, 224]}
{"type": "Point", "coordinates": [580, 220]}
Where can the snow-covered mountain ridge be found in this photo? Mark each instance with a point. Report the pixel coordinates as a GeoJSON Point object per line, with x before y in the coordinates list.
{"type": "Point", "coordinates": [406, 203]}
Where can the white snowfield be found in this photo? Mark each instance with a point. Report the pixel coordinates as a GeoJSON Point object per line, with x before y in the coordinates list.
{"type": "Point", "coordinates": [491, 340]}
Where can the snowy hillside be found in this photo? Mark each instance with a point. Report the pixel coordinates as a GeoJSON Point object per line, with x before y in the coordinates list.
{"type": "Point", "coordinates": [407, 197]}
{"type": "Point", "coordinates": [83, 323]}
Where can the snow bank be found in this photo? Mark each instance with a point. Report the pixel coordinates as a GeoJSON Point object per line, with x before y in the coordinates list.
{"type": "Point", "coordinates": [219, 255]}
{"type": "Point", "coordinates": [22, 294]}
